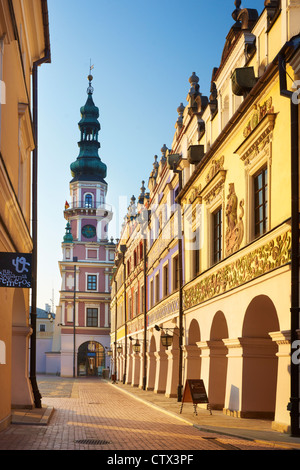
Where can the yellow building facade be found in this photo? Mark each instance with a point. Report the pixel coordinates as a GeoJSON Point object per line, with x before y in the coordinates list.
{"type": "Point", "coordinates": [232, 304]}
{"type": "Point", "coordinates": [24, 43]}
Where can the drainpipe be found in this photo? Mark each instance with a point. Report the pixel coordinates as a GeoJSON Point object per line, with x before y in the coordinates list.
{"type": "Point", "coordinates": [180, 279]}
{"type": "Point", "coordinates": [294, 400]}
{"type": "Point", "coordinates": [116, 326]}
{"type": "Point", "coordinates": [46, 58]}
{"type": "Point", "coordinates": [145, 311]}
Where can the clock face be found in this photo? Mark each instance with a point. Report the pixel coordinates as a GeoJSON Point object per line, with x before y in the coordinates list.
{"type": "Point", "coordinates": [88, 231]}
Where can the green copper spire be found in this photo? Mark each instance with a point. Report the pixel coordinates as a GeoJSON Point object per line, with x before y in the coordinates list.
{"type": "Point", "coordinates": [88, 166]}
{"type": "Point", "coordinates": [68, 238]}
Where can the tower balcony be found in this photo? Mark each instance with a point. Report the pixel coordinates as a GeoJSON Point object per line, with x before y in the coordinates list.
{"type": "Point", "coordinates": [93, 208]}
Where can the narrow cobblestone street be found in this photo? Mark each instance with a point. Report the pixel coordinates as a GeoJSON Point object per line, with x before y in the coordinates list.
{"type": "Point", "coordinates": [90, 414]}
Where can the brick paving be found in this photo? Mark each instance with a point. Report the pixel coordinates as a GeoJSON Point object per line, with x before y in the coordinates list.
{"type": "Point", "coordinates": [90, 414]}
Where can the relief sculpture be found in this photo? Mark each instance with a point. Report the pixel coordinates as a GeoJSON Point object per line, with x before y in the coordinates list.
{"type": "Point", "coordinates": [235, 226]}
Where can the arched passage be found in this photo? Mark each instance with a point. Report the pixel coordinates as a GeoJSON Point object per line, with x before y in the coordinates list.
{"type": "Point", "coordinates": [259, 377]}
{"type": "Point", "coordinates": [21, 389]}
{"type": "Point", "coordinates": [192, 352]}
{"type": "Point", "coordinates": [90, 359]}
{"type": "Point", "coordinates": [218, 361]}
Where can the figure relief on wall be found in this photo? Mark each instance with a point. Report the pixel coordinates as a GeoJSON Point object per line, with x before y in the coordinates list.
{"type": "Point", "coordinates": [235, 226]}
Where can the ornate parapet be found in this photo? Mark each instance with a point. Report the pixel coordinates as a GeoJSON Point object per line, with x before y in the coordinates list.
{"type": "Point", "coordinates": [265, 256]}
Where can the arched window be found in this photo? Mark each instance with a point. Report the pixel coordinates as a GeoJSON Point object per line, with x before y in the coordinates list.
{"type": "Point", "coordinates": [88, 200]}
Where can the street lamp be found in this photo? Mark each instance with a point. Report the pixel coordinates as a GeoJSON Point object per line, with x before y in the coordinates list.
{"type": "Point", "coordinates": [136, 347]}
{"type": "Point", "coordinates": [166, 339]}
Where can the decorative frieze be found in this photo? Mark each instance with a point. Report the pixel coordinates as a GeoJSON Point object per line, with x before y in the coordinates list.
{"type": "Point", "coordinates": [160, 312]}
{"type": "Point", "coordinates": [260, 111]}
{"type": "Point", "coordinates": [261, 260]}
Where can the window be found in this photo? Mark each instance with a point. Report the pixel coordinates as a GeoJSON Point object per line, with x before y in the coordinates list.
{"type": "Point", "coordinates": [157, 296]}
{"type": "Point", "coordinates": [260, 202]}
{"type": "Point", "coordinates": [92, 282]}
{"type": "Point", "coordinates": [92, 317]}
{"type": "Point", "coordinates": [151, 294]}
{"type": "Point", "coordinates": [136, 302]}
{"type": "Point", "coordinates": [129, 307]}
{"type": "Point", "coordinates": [166, 280]}
{"type": "Point", "coordinates": [142, 293]}
{"type": "Point", "coordinates": [175, 272]}
{"type": "Point", "coordinates": [42, 327]}
{"type": "Point", "coordinates": [141, 251]}
{"type": "Point", "coordinates": [196, 253]}
{"type": "Point", "coordinates": [176, 192]}
{"type": "Point", "coordinates": [88, 200]}
{"type": "Point", "coordinates": [217, 235]}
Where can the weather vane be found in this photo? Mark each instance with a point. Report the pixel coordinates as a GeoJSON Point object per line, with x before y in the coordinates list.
{"type": "Point", "coordinates": [90, 89]}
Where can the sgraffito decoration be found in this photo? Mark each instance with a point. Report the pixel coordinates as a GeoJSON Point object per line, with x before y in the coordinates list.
{"type": "Point", "coordinates": [262, 260]}
{"type": "Point", "coordinates": [258, 114]}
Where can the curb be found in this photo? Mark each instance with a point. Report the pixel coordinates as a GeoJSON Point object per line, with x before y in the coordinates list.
{"type": "Point", "coordinates": [279, 444]}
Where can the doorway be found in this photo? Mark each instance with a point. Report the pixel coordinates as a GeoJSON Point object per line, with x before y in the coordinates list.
{"type": "Point", "coordinates": [91, 359]}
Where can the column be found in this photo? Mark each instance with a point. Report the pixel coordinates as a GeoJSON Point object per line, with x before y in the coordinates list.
{"type": "Point", "coordinates": [151, 370]}
{"type": "Point", "coordinates": [136, 369]}
{"type": "Point", "coordinates": [281, 421]}
{"type": "Point", "coordinates": [192, 362]}
{"type": "Point", "coordinates": [173, 373]}
{"type": "Point", "coordinates": [161, 372]}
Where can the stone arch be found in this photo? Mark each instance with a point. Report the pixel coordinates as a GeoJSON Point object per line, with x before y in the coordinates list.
{"type": "Point", "coordinates": [218, 361]}
{"type": "Point", "coordinates": [194, 332]}
{"type": "Point", "coordinates": [192, 352]}
{"type": "Point", "coordinates": [260, 363]}
{"type": "Point", "coordinates": [90, 359]}
{"type": "Point", "coordinates": [21, 390]}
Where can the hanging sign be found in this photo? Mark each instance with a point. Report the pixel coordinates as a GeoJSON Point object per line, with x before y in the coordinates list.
{"type": "Point", "coordinates": [194, 392]}
{"type": "Point", "coordinates": [16, 270]}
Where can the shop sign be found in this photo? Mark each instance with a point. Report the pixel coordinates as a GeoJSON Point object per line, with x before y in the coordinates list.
{"type": "Point", "coordinates": [16, 270]}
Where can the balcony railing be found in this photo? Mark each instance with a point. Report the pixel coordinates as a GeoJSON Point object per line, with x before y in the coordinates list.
{"type": "Point", "coordinates": [87, 205]}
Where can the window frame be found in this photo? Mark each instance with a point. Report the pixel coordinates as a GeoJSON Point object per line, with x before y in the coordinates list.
{"type": "Point", "coordinates": [92, 283]}
{"type": "Point", "coordinates": [264, 190]}
{"type": "Point", "coordinates": [219, 239]}
{"type": "Point", "coordinates": [93, 317]}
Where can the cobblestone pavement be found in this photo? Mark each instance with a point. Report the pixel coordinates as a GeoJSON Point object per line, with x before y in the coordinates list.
{"type": "Point", "coordinates": [90, 414]}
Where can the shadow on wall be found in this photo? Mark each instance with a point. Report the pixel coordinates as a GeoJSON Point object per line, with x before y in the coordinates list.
{"type": "Point", "coordinates": [234, 400]}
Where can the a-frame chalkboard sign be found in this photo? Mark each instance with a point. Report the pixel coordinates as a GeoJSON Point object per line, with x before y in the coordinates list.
{"type": "Point", "coordinates": [194, 392]}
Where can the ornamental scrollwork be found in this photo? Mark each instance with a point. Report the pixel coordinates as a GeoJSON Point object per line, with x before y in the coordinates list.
{"type": "Point", "coordinates": [262, 260]}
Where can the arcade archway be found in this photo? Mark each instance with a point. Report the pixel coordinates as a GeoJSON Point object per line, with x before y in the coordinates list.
{"type": "Point", "coordinates": [90, 359]}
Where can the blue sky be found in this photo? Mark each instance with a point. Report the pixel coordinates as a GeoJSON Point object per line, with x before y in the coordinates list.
{"type": "Point", "coordinates": [143, 52]}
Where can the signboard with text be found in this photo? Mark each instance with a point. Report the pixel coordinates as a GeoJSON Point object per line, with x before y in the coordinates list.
{"type": "Point", "coordinates": [194, 392]}
{"type": "Point", "coordinates": [16, 270]}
